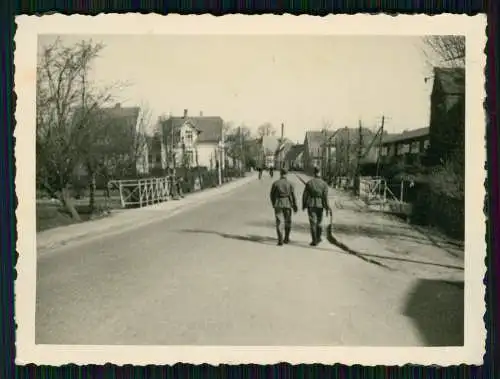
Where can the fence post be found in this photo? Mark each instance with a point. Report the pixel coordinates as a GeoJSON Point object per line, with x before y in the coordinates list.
{"type": "Point", "coordinates": [140, 193]}
{"type": "Point", "coordinates": [385, 192]}
{"type": "Point", "coordinates": [121, 195]}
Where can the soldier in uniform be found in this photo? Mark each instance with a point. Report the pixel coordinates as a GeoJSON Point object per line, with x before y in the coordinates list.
{"type": "Point", "coordinates": [315, 200]}
{"type": "Point", "coordinates": [283, 201]}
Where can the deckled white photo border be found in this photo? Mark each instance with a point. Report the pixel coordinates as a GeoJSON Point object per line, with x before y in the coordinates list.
{"type": "Point", "coordinates": [28, 29]}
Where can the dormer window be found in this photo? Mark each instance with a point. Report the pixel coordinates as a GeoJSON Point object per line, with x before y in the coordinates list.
{"type": "Point", "coordinates": [188, 137]}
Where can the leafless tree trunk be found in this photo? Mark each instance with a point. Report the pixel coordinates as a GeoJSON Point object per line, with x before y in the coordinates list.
{"type": "Point", "coordinates": [64, 131]}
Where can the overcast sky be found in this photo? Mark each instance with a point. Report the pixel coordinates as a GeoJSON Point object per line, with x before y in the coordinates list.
{"type": "Point", "coordinates": [301, 81]}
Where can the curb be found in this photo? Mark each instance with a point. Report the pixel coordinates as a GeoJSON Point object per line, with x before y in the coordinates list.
{"type": "Point", "coordinates": [163, 211]}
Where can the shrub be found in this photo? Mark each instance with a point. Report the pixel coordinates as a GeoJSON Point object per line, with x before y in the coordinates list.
{"type": "Point", "coordinates": [440, 200]}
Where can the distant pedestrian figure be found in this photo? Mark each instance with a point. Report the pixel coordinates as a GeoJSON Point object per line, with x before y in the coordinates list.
{"type": "Point", "coordinates": [173, 187]}
{"type": "Point", "coordinates": [271, 171]}
{"type": "Point", "coordinates": [284, 202]}
{"type": "Point", "coordinates": [260, 172]}
{"type": "Point", "coordinates": [315, 200]}
{"type": "Point", "coordinates": [179, 183]}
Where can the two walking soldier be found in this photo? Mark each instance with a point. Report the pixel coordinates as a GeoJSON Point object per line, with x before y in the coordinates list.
{"type": "Point", "coordinates": [283, 201]}
{"type": "Point", "coordinates": [315, 200]}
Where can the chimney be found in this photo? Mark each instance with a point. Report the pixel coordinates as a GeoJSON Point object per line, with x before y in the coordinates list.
{"type": "Point", "coordinates": [201, 113]}
{"type": "Point", "coordinates": [282, 130]}
{"type": "Point", "coordinates": [185, 113]}
{"type": "Point", "coordinates": [118, 105]}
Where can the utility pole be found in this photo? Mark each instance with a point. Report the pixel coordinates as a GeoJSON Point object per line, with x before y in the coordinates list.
{"type": "Point", "coordinates": [281, 163]}
{"type": "Point", "coordinates": [360, 142]}
{"type": "Point", "coordinates": [241, 150]}
{"type": "Point", "coordinates": [348, 154]}
{"type": "Point", "coordinates": [175, 194]}
{"type": "Point", "coordinates": [380, 144]}
{"type": "Point", "coordinates": [337, 161]}
{"type": "Point", "coordinates": [221, 157]}
{"type": "Point", "coordinates": [360, 154]}
{"type": "Point", "coordinates": [324, 152]}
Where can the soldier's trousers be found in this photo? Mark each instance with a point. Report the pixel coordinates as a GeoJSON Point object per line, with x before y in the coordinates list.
{"type": "Point", "coordinates": [283, 218]}
{"type": "Point", "coordinates": [315, 222]}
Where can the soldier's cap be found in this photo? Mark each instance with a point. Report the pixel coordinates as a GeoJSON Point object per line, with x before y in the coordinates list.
{"type": "Point", "coordinates": [283, 171]}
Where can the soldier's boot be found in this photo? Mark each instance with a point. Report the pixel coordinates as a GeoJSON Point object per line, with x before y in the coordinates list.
{"type": "Point", "coordinates": [314, 237]}
{"type": "Point", "coordinates": [318, 234]}
{"type": "Point", "coordinates": [287, 234]}
{"type": "Point", "coordinates": [280, 235]}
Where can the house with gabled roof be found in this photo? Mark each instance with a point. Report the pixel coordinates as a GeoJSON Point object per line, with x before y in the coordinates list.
{"type": "Point", "coordinates": [284, 147]}
{"type": "Point", "coordinates": [409, 146]}
{"type": "Point", "coordinates": [314, 144]}
{"type": "Point", "coordinates": [119, 137]}
{"type": "Point", "coordinates": [193, 141]}
{"type": "Point", "coordinates": [293, 158]}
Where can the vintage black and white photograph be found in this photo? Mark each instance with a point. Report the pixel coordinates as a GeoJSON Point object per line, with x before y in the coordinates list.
{"type": "Point", "coordinates": [235, 189]}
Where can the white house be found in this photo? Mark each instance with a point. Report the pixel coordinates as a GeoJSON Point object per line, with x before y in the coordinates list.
{"type": "Point", "coordinates": [193, 140]}
{"type": "Point", "coordinates": [269, 147]}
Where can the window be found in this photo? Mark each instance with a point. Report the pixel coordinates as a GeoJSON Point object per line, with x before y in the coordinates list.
{"type": "Point", "coordinates": [189, 157]}
{"type": "Point", "coordinates": [399, 149]}
{"type": "Point", "coordinates": [415, 147]}
{"type": "Point", "coordinates": [427, 144]}
{"type": "Point", "coordinates": [384, 151]}
{"type": "Point", "coordinates": [188, 137]}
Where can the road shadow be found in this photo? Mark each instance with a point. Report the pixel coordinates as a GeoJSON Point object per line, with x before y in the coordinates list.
{"type": "Point", "coordinates": [377, 231]}
{"type": "Point", "coordinates": [445, 244]}
{"type": "Point", "coordinates": [437, 310]}
{"type": "Point", "coordinates": [266, 240]}
{"type": "Point", "coordinates": [371, 231]}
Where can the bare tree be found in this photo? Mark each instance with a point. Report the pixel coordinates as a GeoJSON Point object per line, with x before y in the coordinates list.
{"type": "Point", "coordinates": [238, 143]}
{"type": "Point", "coordinates": [227, 128]}
{"type": "Point", "coordinates": [62, 140]}
{"type": "Point", "coordinates": [266, 129]}
{"type": "Point", "coordinates": [445, 50]}
{"type": "Point", "coordinates": [127, 143]}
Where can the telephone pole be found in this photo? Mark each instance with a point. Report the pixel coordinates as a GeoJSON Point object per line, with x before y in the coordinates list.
{"type": "Point", "coordinates": [323, 155]}
{"type": "Point", "coordinates": [173, 180]}
{"type": "Point", "coordinates": [241, 150]}
{"type": "Point", "coordinates": [360, 154]}
{"type": "Point", "coordinates": [281, 163]}
{"type": "Point", "coordinates": [348, 153]}
{"type": "Point", "coordinates": [380, 144]}
{"type": "Point", "coordinates": [360, 142]}
{"type": "Point", "coordinates": [172, 144]}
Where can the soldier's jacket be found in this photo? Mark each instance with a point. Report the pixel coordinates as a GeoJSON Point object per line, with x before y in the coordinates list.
{"type": "Point", "coordinates": [283, 194]}
{"type": "Point", "coordinates": [315, 194]}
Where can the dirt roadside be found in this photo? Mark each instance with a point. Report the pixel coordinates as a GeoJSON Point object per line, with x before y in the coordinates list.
{"type": "Point", "coordinates": [389, 241]}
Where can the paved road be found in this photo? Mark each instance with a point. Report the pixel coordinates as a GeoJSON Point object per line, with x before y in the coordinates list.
{"type": "Point", "coordinates": [213, 275]}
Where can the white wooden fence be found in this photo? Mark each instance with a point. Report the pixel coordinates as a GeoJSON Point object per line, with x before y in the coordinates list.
{"type": "Point", "coordinates": [375, 191]}
{"type": "Point", "coordinates": [142, 192]}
